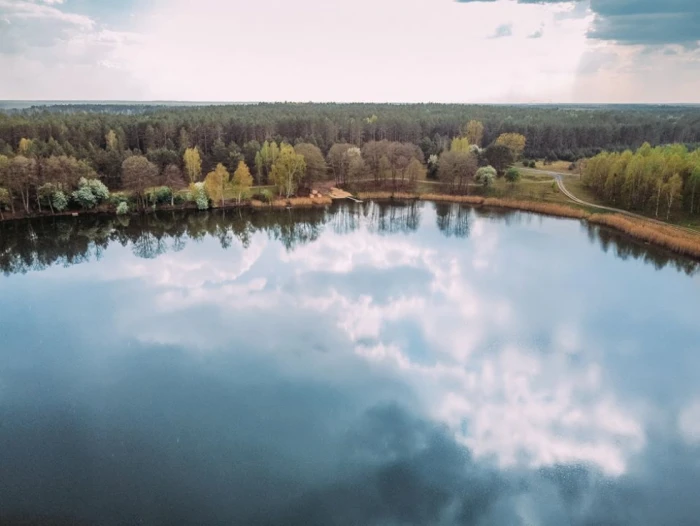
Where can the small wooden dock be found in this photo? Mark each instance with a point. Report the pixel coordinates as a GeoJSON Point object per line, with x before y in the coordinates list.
{"type": "Point", "coordinates": [337, 193]}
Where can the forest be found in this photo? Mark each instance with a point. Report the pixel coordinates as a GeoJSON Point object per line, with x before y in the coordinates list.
{"type": "Point", "coordinates": [650, 180]}
{"type": "Point", "coordinates": [60, 157]}
{"type": "Point", "coordinates": [565, 132]}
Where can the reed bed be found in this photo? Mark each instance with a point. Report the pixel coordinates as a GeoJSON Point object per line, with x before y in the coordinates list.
{"type": "Point", "coordinates": [293, 202]}
{"type": "Point", "coordinates": [310, 201]}
{"type": "Point", "coordinates": [666, 236]}
{"type": "Point", "coordinates": [675, 240]}
{"type": "Point", "coordinates": [467, 199]}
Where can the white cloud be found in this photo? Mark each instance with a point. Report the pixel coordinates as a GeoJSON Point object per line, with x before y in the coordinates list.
{"type": "Point", "coordinates": [312, 51]}
{"type": "Point", "coordinates": [428, 50]}
{"type": "Point", "coordinates": [343, 253]}
{"type": "Point", "coordinates": [520, 408]}
{"type": "Point", "coordinates": [25, 10]}
{"type": "Point", "coordinates": [620, 74]}
{"type": "Point", "coordinates": [689, 422]}
{"type": "Point", "coordinates": [48, 52]}
{"type": "Point", "coordinates": [424, 50]}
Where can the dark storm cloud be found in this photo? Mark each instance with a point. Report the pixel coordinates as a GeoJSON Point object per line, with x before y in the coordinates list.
{"type": "Point", "coordinates": [646, 22]}
{"type": "Point", "coordinates": [648, 29]}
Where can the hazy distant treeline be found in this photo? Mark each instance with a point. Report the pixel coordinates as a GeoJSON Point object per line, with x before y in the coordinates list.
{"type": "Point", "coordinates": [565, 132]}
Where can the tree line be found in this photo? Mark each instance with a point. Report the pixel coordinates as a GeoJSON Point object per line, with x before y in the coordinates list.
{"type": "Point", "coordinates": [659, 181]}
{"type": "Point", "coordinates": [33, 181]}
{"type": "Point", "coordinates": [219, 132]}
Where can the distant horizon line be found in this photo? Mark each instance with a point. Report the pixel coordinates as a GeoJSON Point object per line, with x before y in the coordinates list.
{"type": "Point", "coordinates": [233, 102]}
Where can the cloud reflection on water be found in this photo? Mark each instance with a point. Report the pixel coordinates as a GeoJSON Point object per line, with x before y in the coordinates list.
{"type": "Point", "coordinates": [501, 397]}
{"type": "Point", "coordinates": [435, 379]}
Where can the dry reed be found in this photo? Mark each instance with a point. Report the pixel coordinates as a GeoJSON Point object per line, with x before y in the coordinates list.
{"type": "Point", "coordinates": [310, 201]}
{"type": "Point", "coordinates": [668, 237]}
{"type": "Point", "coordinates": [673, 239]}
{"type": "Point", "coordinates": [293, 202]}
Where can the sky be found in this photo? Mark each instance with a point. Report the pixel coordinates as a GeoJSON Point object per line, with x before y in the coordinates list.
{"type": "Point", "coordinates": [484, 51]}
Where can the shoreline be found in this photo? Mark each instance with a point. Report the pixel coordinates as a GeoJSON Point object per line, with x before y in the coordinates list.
{"type": "Point", "coordinates": [668, 237]}
{"type": "Point", "coordinates": [664, 236]}
{"type": "Point", "coordinates": [292, 202]}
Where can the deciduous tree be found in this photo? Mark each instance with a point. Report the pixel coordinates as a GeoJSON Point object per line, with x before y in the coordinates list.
{"type": "Point", "coordinates": [23, 178]}
{"type": "Point", "coordinates": [288, 170]}
{"type": "Point", "coordinates": [172, 178]}
{"type": "Point", "coordinates": [259, 167]}
{"type": "Point", "coordinates": [415, 171]}
{"type": "Point", "coordinates": [25, 147]}
{"type": "Point", "coordinates": [338, 161]}
{"type": "Point", "coordinates": [193, 164]}
{"type": "Point", "coordinates": [457, 169]}
{"type": "Point", "coordinates": [6, 181]}
{"type": "Point", "coordinates": [514, 141]}
{"type": "Point", "coordinates": [694, 182]}
{"type": "Point", "coordinates": [111, 140]}
{"type": "Point", "coordinates": [316, 168]}
{"type": "Point", "coordinates": [460, 144]}
{"type": "Point", "coordinates": [139, 174]}
{"type": "Point", "coordinates": [673, 193]}
{"type": "Point", "coordinates": [215, 184]}
{"type": "Point", "coordinates": [474, 132]}
{"type": "Point", "coordinates": [4, 201]}
{"type": "Point", "coordinates": [242, 180]}
{"type": "Point", "coordinates": [499, 156]}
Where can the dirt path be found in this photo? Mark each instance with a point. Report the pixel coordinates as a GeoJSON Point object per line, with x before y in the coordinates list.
{"type": "Point", "coordinates": [560, 183]}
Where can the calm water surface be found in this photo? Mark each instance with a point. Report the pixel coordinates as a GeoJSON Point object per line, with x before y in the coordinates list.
{"type": "Point", "coordinates": [366, 365]}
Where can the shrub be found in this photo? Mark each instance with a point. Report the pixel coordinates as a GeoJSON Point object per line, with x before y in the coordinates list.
{"type": "Point", "coordinates": [59, 201]}
{"type": "Point", "coordinates": [199, 196]}
{"type": "Point", "coordinates": [99, 190]}
{"type": "Point", "coordinates": [182, 197]}
{"type": "Point", "coordinates": [122, 208]}
{"type": "Point", "coordinates": [90, 193]}
{"type": "Point", "coordinates": [4, 199]}
{"type": "Point", "coordinates": [485, 175]}
{"type": "Point", "coordinates": [84, 197]}
{"type": "Point", "coordinates": [119, 197]}
{"type": "Point", "coordinates": [512, 175]}
{"type": "Point", "coordinates": [161, 195]}
{"type": "Point", "coordinates": [266, 196]}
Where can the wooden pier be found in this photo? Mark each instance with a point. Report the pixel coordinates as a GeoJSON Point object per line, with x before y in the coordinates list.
{"type": "Point", "coordinates": [337, 193]}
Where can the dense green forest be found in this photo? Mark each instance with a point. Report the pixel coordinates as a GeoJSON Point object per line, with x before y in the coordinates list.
{"type": "Point", "coordinates": [565, 132]}
{"type": "Point", "coordinates": [58, 157]}
{"type": "Point", "coordinates": [655, 181]}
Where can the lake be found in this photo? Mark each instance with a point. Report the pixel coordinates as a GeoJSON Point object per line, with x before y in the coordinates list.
{"type": "Point", "coordinates": [425, 364]}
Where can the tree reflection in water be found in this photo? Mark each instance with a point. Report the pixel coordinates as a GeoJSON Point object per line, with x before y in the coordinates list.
{"type": "Point", "coordinates": [42, 242]}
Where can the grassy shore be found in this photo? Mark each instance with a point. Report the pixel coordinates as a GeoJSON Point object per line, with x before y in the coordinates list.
{"type": "Point", "coordinates": [666, 236]}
